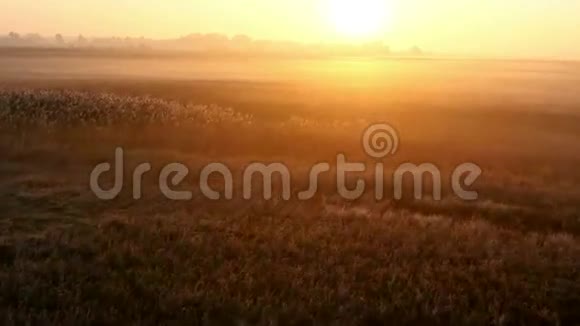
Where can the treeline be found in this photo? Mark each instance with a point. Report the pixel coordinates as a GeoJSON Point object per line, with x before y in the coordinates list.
{"type": "Point", "coordinates": [203, 43]}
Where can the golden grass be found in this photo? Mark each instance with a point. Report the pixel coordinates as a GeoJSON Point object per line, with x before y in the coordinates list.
{"type": "Point", "coordinates": [65, 257]}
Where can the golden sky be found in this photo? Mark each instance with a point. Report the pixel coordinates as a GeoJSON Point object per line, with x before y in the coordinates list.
{"type": "Point", "coordinates": [524, 28]}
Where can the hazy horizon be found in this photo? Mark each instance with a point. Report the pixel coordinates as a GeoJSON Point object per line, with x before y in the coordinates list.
{"type": "Point", "coordinates": [491, 29]}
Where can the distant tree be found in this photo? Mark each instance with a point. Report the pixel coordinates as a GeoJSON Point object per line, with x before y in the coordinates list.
{"type": "Point", "coordinates": [243, 39]}
{"type": "Point", "coordinates": [59, 39]}
{"type": "Point", "coordinates": [416, 51]}
{"type": "Point", "coordinates": [14, 36]}
{"type": "Point", "coordinates": [216, 37]}
{"type": "Point", "coordinates": [81, 39]}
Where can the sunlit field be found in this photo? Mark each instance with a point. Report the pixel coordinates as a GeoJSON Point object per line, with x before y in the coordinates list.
{"type": "Point", "coordinates": [509, 258]}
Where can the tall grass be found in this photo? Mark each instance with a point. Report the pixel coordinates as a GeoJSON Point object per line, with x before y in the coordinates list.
{"type": "Point", "coordinates": [65, 257]}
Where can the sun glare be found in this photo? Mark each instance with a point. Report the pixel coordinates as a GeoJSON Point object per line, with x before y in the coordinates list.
{"type": "Point", "coordinates": [358, 18]}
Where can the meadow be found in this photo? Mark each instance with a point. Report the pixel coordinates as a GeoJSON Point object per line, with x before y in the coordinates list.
{"type": "Point", "coordinates": [509, 258]}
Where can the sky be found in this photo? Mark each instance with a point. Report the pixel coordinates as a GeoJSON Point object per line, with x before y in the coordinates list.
{"type": "Point", "coordinates": [521, 28]}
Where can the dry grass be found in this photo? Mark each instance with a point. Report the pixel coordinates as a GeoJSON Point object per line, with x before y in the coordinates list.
{"type": "Point", "coordinates": [65, 257]}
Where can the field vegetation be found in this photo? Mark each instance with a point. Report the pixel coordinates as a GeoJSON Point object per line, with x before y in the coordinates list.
{"type": "Point", "coordinates": [509, 258]}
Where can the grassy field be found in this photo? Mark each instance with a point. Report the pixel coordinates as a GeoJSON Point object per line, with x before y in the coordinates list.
{"type": "Point", "coordinates": [509, 258]}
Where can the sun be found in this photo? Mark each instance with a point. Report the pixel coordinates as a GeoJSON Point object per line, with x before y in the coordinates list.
{"type": "Point", "coordinates": [359, 18]}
